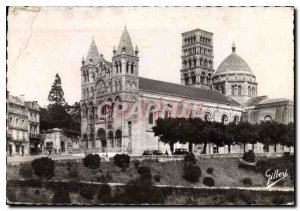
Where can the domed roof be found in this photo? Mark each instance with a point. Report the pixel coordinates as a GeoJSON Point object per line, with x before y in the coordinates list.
{"type": "Point", "coordinates": [233, 64]}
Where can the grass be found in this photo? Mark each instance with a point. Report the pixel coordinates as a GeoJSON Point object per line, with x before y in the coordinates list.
{"type": "Point", "coordinates": [225, 172]}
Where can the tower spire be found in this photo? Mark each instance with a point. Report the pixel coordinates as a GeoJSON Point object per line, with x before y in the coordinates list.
{"type": "Point", "coordinates": [233, 47]}
{"type": "Point", "coordinates": [93, 54]}
{"type": "Point", "coordinates": [125, 44]}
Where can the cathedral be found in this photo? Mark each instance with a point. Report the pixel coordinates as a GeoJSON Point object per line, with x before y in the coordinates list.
{"type": "Point", "coordinates": [119, 108]}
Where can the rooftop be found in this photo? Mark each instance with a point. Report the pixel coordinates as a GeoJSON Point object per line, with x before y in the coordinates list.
{"type": "Point", "coordinates": [184, 91]}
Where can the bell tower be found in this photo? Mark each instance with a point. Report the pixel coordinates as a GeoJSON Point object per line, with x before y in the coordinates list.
{"type": "Point", "coordinates": [197, 58]}
{"type": "Point", "coordinates": [125, 67]}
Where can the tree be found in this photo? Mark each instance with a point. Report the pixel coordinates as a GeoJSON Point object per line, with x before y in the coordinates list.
{"type": "Point", "coordinates": [245, 133]}
{"type": "Point", "coordinates": [167, 130]}
{"type": "Point", "coordinates": [272, 133]}
{"type": "Point", "coordinates": [231, 133]}
{"type": "Point", "coordinates": [290, 141]}
{"type": "Point", "coordinates": [56, 94]}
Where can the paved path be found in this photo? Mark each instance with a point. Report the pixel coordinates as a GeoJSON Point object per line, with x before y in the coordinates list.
{"type": "Point", "coordinates": [281, 189]}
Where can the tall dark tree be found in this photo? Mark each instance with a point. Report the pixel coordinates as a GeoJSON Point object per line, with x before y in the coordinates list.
{"type": "Point", "coordinates": [56, 94]}
{"type": "Point", "coordinates": [167, 131]}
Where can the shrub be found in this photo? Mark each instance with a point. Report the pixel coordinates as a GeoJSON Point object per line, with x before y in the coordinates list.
{"type": "Point", "coordinates": [104, 194]}
{"type": "Point", "coordinates": [104, 178]}
{"type": "Point", "coordinates": [146, 178]}
{"type": "Point", "coordinates": [87, 192]}
{"type": "Point", "coordinates": [247, 197]}
{"type": "Point", "coordinates": [191, 173]}
{"type": "Point", "coordinates": [92, 161]}
{"type": "Point", "coordinates": [247, 181]}
{"type": "Point", "coordinates": [157, 178]}
{"type": "Point", "coordinates": [249, 156]}
{"type": "Point", "coordinates": [61, 196]}
{"type": "Point", "coordinates": [73, 172]}
{"type": "Point", "coordinates": [26, 171]}
{"type": "Point", "coordinates": [138, 192]}
{"type": "Point", "coordinates": [278, 200]}
{"type": "Point", "coordinates": [208, 181]}
{"type": "Point", "coordinates": [137, 163]}
{"type": "Point", "coordinates": [144, 170]}
{"type": "Point", "coordinates": [43, 167]}
{"type": "Point", "coordinates": [209, 170]}
{"type": "Point", "coordinates": [190, 158]}
{"type": "Point", "coordinates": [122, 160]}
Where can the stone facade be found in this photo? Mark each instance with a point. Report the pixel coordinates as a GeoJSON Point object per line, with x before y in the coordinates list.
{"type": "Point", "coordinates": [119, 108]}
{"type": "Point", "coordinates": [23, 122]}
{"type": "Point", "coordinates": [57, 141]}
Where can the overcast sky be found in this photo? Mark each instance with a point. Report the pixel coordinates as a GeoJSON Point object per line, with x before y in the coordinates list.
{"type": "Point", "coordinates": [49, 40]}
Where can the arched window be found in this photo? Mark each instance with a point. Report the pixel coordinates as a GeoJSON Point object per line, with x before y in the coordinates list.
{"type": "Point", "coordinates": [202, 77]}
{"type": "Point", "coordinates": [201, 62]}
{"type": "Point", "coordinates": [84, 110]}
{"type": "Point", "coordinates": [236, 119]}
{"type": "Point", "coordinates": [117, 68]}
{"type": "Point", "coordinates": [92, 139]}
{"type": "Point", "coordinates": [129, 128]}
{"type": "Point", "coordinates": [127, 67]}
{"type": "Point", "coordinates": [249, 91]}
{"type": "Point", "coordinates": [111, 138]}
{"type": "Point", "coordinates": [132, 66]}
{"type": "Point", "coordinates": [268, 118]}
{"type": "Point", "coordinates": [207, 117]}
{"type": "Point", "coordinates": [118, 137]}
{"type": "Point", "coordinates": [193, 76]}
{"type": "Point", "coordinates": [168, 110]}
{"type": "Point", "coordinates": [85, 141]}
{"type": "Point", "coordinates": [151, 112]}
{"type": "Point", "coordinates": [186, 79]}
{"type": "Point", "coordinates": [239, 90]}
{"type": "Point", "coordinates": [184, 64]}
{"type": "Point", "coordinates": [232, 89]}
{"type": "Point", "coordinates": [195, 62]}
{"type": "Point", "coordinates": [205, 63]}
{"type": "Point", "coordinates": [224, 119]}
{"type": "Point", "coordinates": [209, 78]}
{"type": "Point", "coordinates": [101, 134]}
{"type": "Point", "coordinates": [120, 67]}
{"type": "Point", "coordinates": [190, 63]}
{"type": "Point", "coordinates": [253, 91]}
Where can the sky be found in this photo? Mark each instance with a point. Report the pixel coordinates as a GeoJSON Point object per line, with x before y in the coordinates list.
{"type": "Point", "coordinates": [43, 41]}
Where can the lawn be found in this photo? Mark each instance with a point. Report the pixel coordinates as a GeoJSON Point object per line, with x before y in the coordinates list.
{"type": "Point", "coordinates": [225, 172]}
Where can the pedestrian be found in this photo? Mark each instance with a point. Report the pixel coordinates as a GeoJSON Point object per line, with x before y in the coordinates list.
{"type": "Point", "coordinates": [166, 152]}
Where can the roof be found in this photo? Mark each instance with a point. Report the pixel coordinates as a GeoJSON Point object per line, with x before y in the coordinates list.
{"type": "Point", "coordinates": [125, 44]}
{"type": "Point", "coordinates": [273, 100]}
{"type": "Point", "coordinates": [196, 30]}
{"type": "Point", "coordinates": [234, 64]}
{"type": "Point", "coordinates": [93, 54]}
{"type": "Point", "coordinates": [255, 100]}
{"type": "Point", "coordinates": [184, 91]}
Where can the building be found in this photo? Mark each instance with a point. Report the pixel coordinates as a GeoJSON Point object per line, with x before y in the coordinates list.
{"type": "Point", "coordinates": [22, 126]}
{"type": "Point", "coordinates": [33, 113]}
{"type": "Point", "coordinates": [119, 108]}
{"type": "Point", "coordinates": [60, 141]}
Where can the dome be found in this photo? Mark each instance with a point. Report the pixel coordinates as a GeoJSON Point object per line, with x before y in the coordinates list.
{"type": "Point", "coordinates": [233, 64]}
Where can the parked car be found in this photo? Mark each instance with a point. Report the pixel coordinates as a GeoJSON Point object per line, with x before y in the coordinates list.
{"type": "Point", "coordinates": [148, 152]}
{"type": "Point", "coordinates": [180, 151]}
{"type": "Point", "coordinates": [157, 152]}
